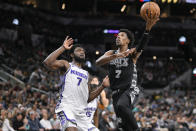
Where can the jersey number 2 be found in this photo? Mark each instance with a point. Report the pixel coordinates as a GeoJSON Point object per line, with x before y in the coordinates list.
{"type": "Point", "coordinates": [80, 79]}
{"type": "Point", "coordinates": [118, 72]}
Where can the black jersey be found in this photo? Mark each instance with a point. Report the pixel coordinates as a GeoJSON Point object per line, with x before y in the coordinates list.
{"type": "Point", "coordinates": [122, 73]}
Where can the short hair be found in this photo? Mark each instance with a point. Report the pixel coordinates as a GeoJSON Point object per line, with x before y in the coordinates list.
{"type": "Point", "coordinates": [92, 77]}
{"type": "Point", "coordinates": [32, 112]}
{"type": "Point", "coordinates": [130, 35]}
{"type": "Point", "coordinates": [19, 113]}
{"type": "Point", "coordinates": [74, 47]}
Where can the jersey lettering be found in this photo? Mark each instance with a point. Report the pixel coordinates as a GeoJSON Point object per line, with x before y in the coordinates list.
{"type": "Point", "coordinates": [121, 62]}
{"type": "Point", "coordinates": [79, 74]}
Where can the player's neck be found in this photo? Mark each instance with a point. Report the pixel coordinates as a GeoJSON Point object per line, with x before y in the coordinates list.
{"type": "Point", "coordinates": [77, 64]}
{"type": "Point", "coordinates": [123, 48]}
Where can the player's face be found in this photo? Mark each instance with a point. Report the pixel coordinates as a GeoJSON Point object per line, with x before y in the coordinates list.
{"type": "Point", "coordinates": [122, 39]}
{"type": "Point", "coordinates": [94, 83]}
{"type": "Point", "coordinates": [79, 54]}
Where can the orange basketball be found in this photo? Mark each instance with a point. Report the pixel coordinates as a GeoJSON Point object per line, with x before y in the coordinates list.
{"type": "Point", "coordinates": [150, 10]}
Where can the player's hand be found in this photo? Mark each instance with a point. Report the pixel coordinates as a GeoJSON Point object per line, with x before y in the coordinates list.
{"type": "Point", "coordinates": [132, 51]}
{"type": "Point", "coordinates": [151, 22]}
{"type": "Point", "coordinates": [106, 82]}
{"type": "Point", "coordinates": [68, 43]}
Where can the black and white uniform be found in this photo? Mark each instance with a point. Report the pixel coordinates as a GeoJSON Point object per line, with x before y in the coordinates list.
{"type": "Point", "coordinates": [123, 82]}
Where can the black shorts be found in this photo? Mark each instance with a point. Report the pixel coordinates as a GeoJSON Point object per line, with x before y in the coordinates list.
{"type": "Point", "coordinates": [131, 99]}
{"type": "Point", "coordinates": [123, 102]}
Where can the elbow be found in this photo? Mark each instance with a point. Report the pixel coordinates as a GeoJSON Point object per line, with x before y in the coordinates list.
{"type": "Point", "coordinates": [46, 63]}
{"type": "Point", "coordinates": [89, 100]}
{"type": "Point", "coordinates": [98, 62]}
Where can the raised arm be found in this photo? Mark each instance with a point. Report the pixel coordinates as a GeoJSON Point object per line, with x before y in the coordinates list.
{"type": "Point", "coordinates": [52, 62]}
{"type": "Point", "coordinates": [144, 40]}
{"type": "Point", "coordinates": [94, 94]}
{"type": "Point", "coordinates": [146, 36]}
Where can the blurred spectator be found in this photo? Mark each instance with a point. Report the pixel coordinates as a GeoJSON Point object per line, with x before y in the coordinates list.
{"type": "Point", "coordinates": [18, 73]}
{"type": "Point", "coordinates": [34, 122]}
{"type": "Point", "coordinates": [35, 77]}
{"type": "Point", "coordinates": [55, 122]}
{"type": "Point", "coordinates": [19, 122]}
{"type": "Point", "coordinates": [106, 122]}
{"type": "Point", "coordinates": [45, 122]}
{"type": "Point", "coordinates": [6, 117]}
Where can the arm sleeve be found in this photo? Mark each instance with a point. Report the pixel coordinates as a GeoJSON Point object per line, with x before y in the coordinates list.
{"type": "Point", "coordinates": [143, 41]}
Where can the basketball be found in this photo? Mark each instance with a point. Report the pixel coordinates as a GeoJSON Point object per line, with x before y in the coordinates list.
{"type": "Point", "coordinates": [150, 10]}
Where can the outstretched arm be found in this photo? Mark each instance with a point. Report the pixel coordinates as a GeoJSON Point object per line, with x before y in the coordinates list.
{"type": "Point", "coordinates": [106, 58]}
{"type": "Point", "coordinates": [52, 62]}
{"type": "Point", "coordinates": [94, 94]}
{"type": "Point", "coordinates": [109, 55]}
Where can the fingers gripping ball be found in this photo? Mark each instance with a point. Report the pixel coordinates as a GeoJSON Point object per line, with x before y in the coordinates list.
{"type": "Point", "coordinates": [150, 10]}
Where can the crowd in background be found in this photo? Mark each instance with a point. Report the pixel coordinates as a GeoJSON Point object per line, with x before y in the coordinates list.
{"type": "Point", "coordinates": [28, 109]}
{"type": "Point", "coordinates": [167, 110]}
{"type": "Point", "coordinates": [24, 109]}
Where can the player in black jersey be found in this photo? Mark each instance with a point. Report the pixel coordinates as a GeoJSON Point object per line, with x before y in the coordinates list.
{"type": "Point", "coordinates": [123, 73]}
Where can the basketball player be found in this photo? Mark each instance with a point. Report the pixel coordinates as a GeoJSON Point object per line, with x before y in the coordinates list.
{"type": "Point", "coordinates": [123, 73]}
{"type": "Point", "coordinates": [92, 109]}
{"type": "Point", "coordinates": [75, 93]}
